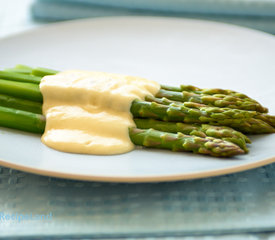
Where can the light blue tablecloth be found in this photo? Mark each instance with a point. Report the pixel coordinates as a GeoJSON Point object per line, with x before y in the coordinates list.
{"type": "Point", "coordinates": [258, 14]}
{"type": "Point", "coordinates": [239, 205]}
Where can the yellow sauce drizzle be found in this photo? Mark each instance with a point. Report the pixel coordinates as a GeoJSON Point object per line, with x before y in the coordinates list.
{"type": "Point", "coordinates": [89, 112]}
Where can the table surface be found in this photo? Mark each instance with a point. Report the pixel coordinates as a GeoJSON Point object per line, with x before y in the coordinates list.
{"type": "Point", "coordinates": [237, 206]}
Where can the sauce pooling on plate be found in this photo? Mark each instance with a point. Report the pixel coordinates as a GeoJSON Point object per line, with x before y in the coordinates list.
{"type": "Point", "coordinates": [89, 112]}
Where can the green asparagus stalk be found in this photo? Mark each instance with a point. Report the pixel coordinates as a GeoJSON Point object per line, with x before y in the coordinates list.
{"type": "Point", "coordinates": [185, 93]}
{"type": "Point", "coordinates": [240, 120]}
{"type": "Point", "coordinates": [19, 68]}
{"type": "Point", "coordinates": [180, 142]}
{"type": "Point", "coordinates": [21, 104]}
{"type": "Point", "coordinates": [20, 71]}
{"type": "Point", "coordinates": [217, 100]}
{"type": "Point", "coordinates": [23, 67]}
{"type": "Point", "coordinates": [22, 120]}
{"type": "Point", "coordinates": [23, 90]}
{"type": "Point", "coordinates": [41, 72]}
{"type": "Point", "coordinates": [204, 130]}
{"type": "Point", "coordinates": [208, 91]}
{"type": "Point", "coordinates": [189, 105]}
{"type": "Point", "coordinates": [8, 75]}
{"type": "Point", "coordinates": [269, 119]}
{"type": "Point", "coordinates": [35, 123]}
{"type": "Point", "coordinates": [217, 112]}
{"type": "Point", "coordinates": [200, 130]}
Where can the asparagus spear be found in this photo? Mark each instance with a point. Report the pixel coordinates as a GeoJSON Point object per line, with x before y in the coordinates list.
{"type": "Point", "coordinates": [180, 142]}
{"type": "Point", "coordinates": [269, 119]}
{"type": "Point", "coordinates": [15, 70]}
{"type": "Point", "coordinates": [240, 120]}
{"type": "Point", "coordinates": [218, 100]}
{"type": "Point", "coordinates": [22, 120]}
{"type": "Point", "coordinates": [185, 93]}
{"type": "Point", "coordinates": [22, 73]}
{"type": "Point", "coordinates": [208, 91]}
{"type": "Point", "coordinates": [197, 130]}
{"type": "Point", "coordinates": [200, 130]}
{"type": "Point", "coordinates": [7, 75]}
{"type": "Point", "coordinates": [19, 68]}
{"type": "Point", "coordinates": [23, 67]}
{"type": "Point", "coordinates": [41, 72]}
{"type": "Point", "coordinates": [212, 97]}
{"type": "Point", "coordinates": [23, 90]}
{"type": "Point", "coordinates": [217, 112]}
{"type": "Point", "coordinates": [21, 104]}
{"type": "Point", "coordinates": [35, 123]}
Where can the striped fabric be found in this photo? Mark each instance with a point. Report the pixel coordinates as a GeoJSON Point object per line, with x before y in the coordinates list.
{"type": "Point", "coordinates": [258, 14]}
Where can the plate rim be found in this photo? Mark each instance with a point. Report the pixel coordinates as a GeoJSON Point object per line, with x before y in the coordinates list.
{"type": "Point", "coordinates": [161, 178]}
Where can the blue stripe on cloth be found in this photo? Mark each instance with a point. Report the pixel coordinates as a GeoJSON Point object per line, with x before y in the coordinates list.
{"type": "Point", "coordinates": [232, 7]}
{"type": "Point", "coordinates": [57, 10]}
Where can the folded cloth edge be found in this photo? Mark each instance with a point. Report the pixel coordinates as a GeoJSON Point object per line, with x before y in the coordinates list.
{"type": "Point", "coordinates": [56, 11]}
{"type": "Point", "coordinates": [226, 7]}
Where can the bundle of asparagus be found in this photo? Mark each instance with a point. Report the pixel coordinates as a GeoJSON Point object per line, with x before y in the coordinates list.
{"type": "Point", "coordinates": [205, 121]}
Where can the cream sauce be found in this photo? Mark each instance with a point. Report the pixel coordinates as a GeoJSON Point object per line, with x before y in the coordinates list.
{"type": "Point", "coordinates": [89, 112]}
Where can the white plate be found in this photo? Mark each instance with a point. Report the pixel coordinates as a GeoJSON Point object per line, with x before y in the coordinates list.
{"type": "Point", "coordinates": [171, 51]}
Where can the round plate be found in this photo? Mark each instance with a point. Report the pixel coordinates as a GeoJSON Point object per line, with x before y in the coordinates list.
{"type": "Point", "coordinates": [170, 51]}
